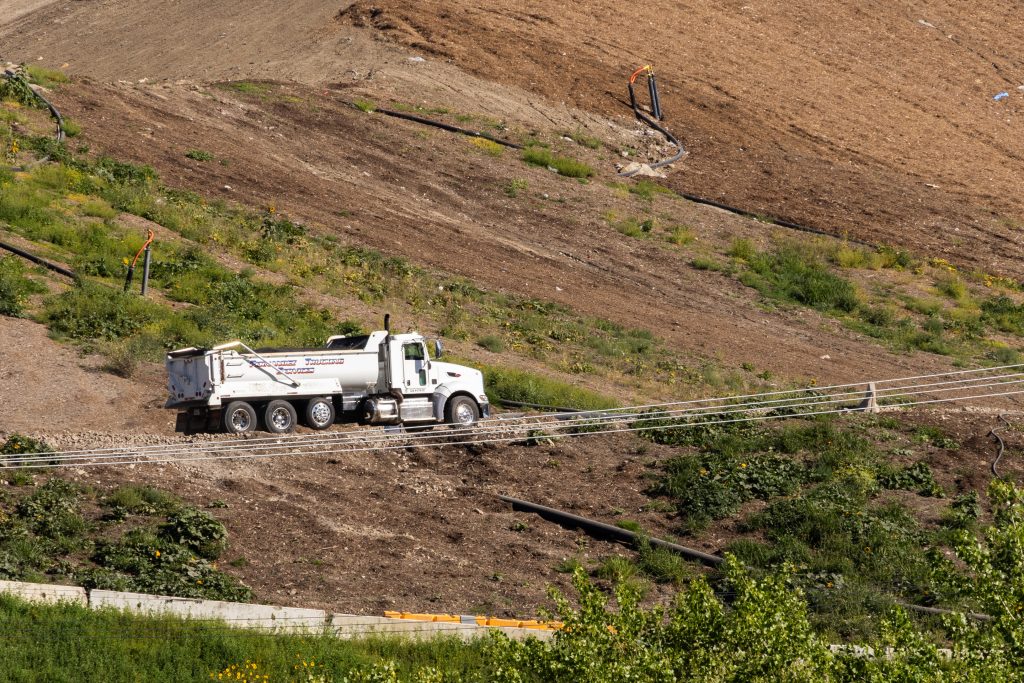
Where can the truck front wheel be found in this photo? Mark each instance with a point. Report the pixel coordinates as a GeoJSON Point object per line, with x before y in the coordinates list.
{"type": "Point", "coordinates": [239, 418]}
{"type": "Point", "coordinates": [319, 413]}
{"type": "Point", "coordinates": [280, 417]}
{"type": "Point", "coordinates": [461, 410]}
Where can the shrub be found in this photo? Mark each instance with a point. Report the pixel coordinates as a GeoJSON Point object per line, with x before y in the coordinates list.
{"type": "Point", "coordinates": [89, 311]}
{"type": "Point", "coordinates": [197, 530]}
{"type": "Point", "coordinates": [492, 343]}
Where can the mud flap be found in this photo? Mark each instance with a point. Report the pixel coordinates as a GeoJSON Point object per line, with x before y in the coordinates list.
{"type": "Point", "coordinates": [187, 423]}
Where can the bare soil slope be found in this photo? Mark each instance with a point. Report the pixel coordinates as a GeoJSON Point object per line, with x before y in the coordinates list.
{"type": "Point", "coordinates": [434, 199]}
{"type": "Point", "coordinates": [868, 118]}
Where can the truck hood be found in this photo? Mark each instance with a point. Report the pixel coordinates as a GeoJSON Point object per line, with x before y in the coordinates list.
{"type": "Point", "coordinates": [449, 373]}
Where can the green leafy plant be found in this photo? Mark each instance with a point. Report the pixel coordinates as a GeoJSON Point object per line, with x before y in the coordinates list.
{"type": "Point", "coordinates": [199, 155]}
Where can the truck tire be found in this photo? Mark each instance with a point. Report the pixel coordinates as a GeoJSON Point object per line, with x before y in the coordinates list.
{"type": "Point", "coordinates": [280, 417]}
{"type": "Point", "coordinates": [461, 410]}
{"type": "Point", "coordinates": [319, 413]}
{"type": "Point", "coordinates": [239, 418]}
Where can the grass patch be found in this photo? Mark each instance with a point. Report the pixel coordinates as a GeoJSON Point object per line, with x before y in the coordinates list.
{"type": "Point", "coordinates": [571, 168]}
{"type": "Point", "coordinates": [248, 88]}
{"type": "Point", "coordinates": [47, 641]}
{"type": "Point", "coordinates": [647, 189]}
{"type": "Point", "coordinates": [489, 147]}
{"type": "Point", "coordinates": [796, 274]}
{"type": "Point", "coordinates": [199, 155]}
{"type": "Point", "coordinates": [364, 105]}
{"type": "Point", "coordinates": [48, 78]}
{"type": "Point", "coordinates": [581, 138]}
{"type": "Point", "coordinates": [680, 235]}
{"type": "Point", "coordinates": [71, 128]}
{"type": "Point", "coordinates": [15, 286]}
{"type": "Point", "coordinates": [515, 186]}
{"type": "Point", "coordinates": [526, 387]}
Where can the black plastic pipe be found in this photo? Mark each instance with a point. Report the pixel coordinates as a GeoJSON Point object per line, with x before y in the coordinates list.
{"type": "Point", "coordinates": [602, 530]}
{"type": "Point", "coordinates": [35, 259]}
{"type": "Point", "coordinates": [448, 127]}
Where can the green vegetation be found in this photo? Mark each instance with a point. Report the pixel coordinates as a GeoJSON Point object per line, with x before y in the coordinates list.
{"type": "Point", "coordinates": [247, 88]}
{"type": "Point", "coordinates": [72, 643]}
{"type": "Point", "coordinates": [958, 324]}
{"type": "Point", "coordinates": [71, 128]}
{"type": "Point", "coordinates": [526, 387]}
{"type": "Point", "coordinates": [365, 106]}
{"type": "Point", "coordinates": [792, 274]}
{"type": "Point", "coordinates": [515, 186]}
{"type": "Point", "coordinates": [134, 539]}
{"type": "Point", "coordinates": [489, 147]}
{"type": "Point", "coordinates": [15, 286]}
{"type": "Point", "coordinates": [48, 78]}
{"type": "Point", "coordinates": [571, 168]}
{"type": "Point", "coordinates": [492, 343]}
{"type": "Point", "coordinates": [199, 155]}
{"type": "Point", "coordinates": [581, 138]}
{"type": "Point", "coordinates": [823, 481]}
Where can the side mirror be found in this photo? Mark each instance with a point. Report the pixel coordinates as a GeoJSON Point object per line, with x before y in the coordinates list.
{"type": "Point", "coordinates": [438, 348]}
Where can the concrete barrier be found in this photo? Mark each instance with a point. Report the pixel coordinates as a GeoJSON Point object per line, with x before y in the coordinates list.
{"type": "Point", "coordinates": [356, 626]}
{"type": "Point", "coordinates": [238, 614]}
{"type": "Point", "coordinates": [45, 592]}
{"type": "Point", "coordinates": [268, 617]}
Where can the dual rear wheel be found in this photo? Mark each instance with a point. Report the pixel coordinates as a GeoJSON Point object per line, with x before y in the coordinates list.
{"type": "Point", "coordinates": [278, 416]}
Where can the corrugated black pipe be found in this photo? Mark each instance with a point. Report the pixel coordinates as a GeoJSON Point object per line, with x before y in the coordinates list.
{"type": "Point", "coordinates": [35, 259]}
{"type": "Point", "coordinates": [53, 112]}
{"type": "Point", "coordinates": [602, 530]}
{"type": "Point", "coordinates": [448, 127]}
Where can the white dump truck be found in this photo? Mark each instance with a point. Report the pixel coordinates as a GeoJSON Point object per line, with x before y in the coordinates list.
{"type": "Point", "coordinates": [379, 378]}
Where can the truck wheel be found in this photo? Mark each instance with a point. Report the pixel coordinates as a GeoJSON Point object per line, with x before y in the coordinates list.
{"type": "Point", "coordinates": [239, 418]}
{"type": "Point", "coordinates": [319, 413]}
{"type": "Point", "coordinates": [280, 417]}
{"type": "Point", "coordinates": [461, 410]}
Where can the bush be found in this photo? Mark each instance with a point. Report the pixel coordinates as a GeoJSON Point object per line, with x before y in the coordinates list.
{"type": "Point", "coordinates": [89, 311]}
{"type": "Point", "coordinates": [199, 155]}
{"type": "Point", "coordinates": [492, 343]}
{"type": "Point", "coordinates": [197, 530]}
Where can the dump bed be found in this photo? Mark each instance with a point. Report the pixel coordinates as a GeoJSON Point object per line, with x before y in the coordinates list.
{"type": "Point", "coordinates": [210, 377]}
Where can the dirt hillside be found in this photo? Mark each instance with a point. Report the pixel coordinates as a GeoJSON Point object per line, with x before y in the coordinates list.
{"type": "Point", "coordinates": [872, 119]}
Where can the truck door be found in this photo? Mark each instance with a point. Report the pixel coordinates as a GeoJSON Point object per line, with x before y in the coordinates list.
{"type": "Point", "coordinates": [414, 366]}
